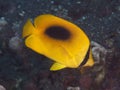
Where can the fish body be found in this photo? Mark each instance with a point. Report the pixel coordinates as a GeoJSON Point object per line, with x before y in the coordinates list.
{"type": "Point", "coordinates": [58, 39]}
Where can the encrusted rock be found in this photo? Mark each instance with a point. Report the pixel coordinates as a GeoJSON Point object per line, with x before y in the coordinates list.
{"type": "Point", "coordinates": [3, 22]}
{"type": "Point", "coordinates": [2, 88]}
{"type": "Point", "coordinates": [99, 54]}
{"type": "Point", "coordinates": [73, 88]}
{"type": "Point", "coordinates": [15, 43]}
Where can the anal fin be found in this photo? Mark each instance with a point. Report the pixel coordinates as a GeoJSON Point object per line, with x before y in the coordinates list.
{"type": "Point", "coordinates": [57, 66]}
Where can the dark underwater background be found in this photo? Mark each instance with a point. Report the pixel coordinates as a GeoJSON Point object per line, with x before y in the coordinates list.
{"type": "Point", "coordinates": [24, 69]}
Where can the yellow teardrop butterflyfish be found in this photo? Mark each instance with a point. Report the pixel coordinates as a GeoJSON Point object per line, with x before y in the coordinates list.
{"type": "Point", "coordinates": [60, 40]}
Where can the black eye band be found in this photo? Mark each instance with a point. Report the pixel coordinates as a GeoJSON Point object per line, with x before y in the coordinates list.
{"type": "Point", "coordinates": [86, 58]}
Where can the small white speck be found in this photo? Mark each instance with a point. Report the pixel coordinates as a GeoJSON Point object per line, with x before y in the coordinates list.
{"type": "Point", "coordinates": [3, 21]}
{"type": "Point", "coordinates": [118, 8]}
{"type": "Point", "coordinates": [83, 18]}
{"type": "Point", "coordinates": [78, 2]}
{"type": "Point", "coordinates": [55, 9]}
{"type": "Point", "coordinates": [19, 6]}
{"type": "Point", "coordinates": [52, 2]}
{"type": "Point", "coordinates": [60, 7]}
{"type": "Point", "coordinates": [22, 13]}
{"type": "Point", "coordinates": [73, 88]}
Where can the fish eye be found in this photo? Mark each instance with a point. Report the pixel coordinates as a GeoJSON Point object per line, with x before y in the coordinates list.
{"type": "Point", "coordinates": [58, 32]}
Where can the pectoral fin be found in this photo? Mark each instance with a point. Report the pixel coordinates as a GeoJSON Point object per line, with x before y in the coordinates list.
{"type": "Point", "coordinates": [57, 66]}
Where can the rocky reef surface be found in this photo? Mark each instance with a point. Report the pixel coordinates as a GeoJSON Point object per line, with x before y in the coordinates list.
{"type": "Point", "coordinates": [23, 69]}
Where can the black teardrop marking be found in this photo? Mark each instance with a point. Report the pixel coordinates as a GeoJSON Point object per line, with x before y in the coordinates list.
{"type": "Point", "coordinates": [58, 32]}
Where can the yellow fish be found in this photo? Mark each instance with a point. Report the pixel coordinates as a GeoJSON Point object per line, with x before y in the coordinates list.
{"type": "Point", "coordinates": [60, 40]}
